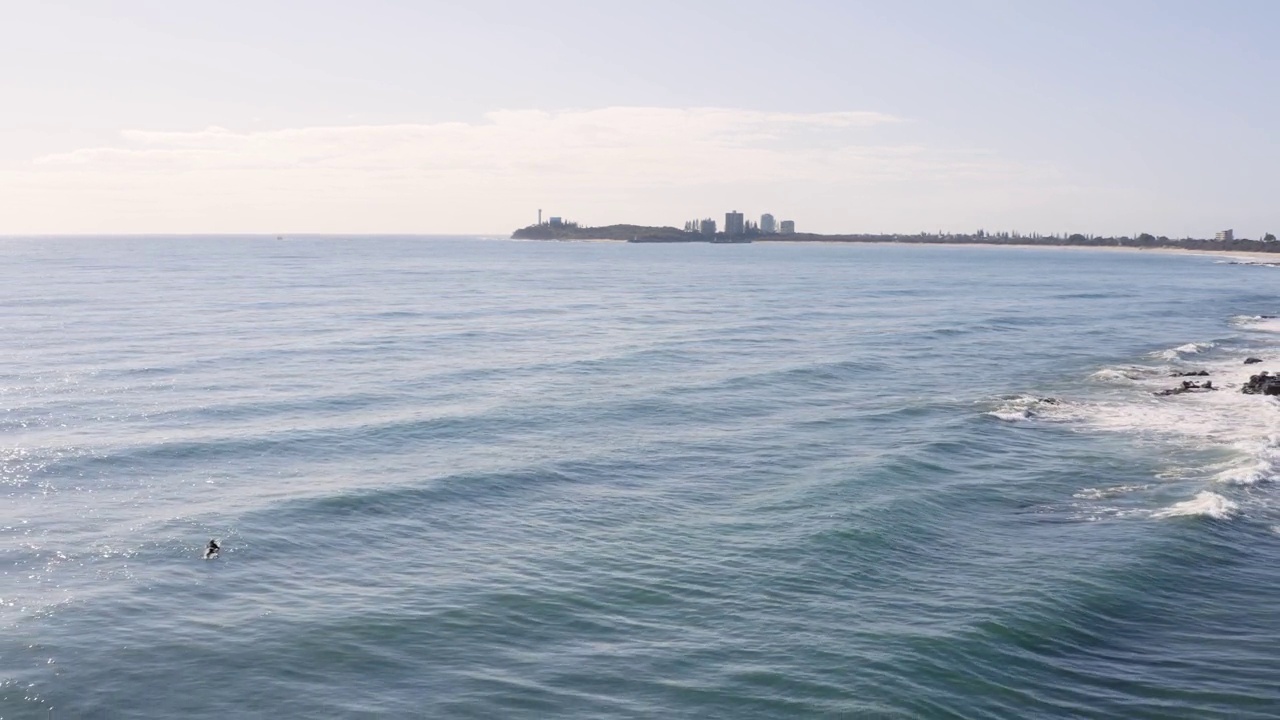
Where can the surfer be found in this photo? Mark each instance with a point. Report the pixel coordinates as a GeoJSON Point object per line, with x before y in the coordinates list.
{"type": "Point", "coordinates": [211, 551]}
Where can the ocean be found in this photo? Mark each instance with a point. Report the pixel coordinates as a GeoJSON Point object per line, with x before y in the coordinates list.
{"type": "Point", "coordinates": [482, 478]}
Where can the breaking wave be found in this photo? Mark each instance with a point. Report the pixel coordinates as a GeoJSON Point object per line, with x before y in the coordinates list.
{"type": "Point", "coordinates": [1127, 373]}
{"type": "Point", "coordinates": [1222, 444]}
{"type": "Point", "coordinates": [1187, 349]}
{"type": "Point", "coordinates": [1204, 504]}
{"type": "Point", "coordinates": [1025, 407]}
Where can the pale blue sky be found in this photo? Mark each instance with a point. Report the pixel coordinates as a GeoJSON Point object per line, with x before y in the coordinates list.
{"type": "Point", "coordinates": [383, 116]}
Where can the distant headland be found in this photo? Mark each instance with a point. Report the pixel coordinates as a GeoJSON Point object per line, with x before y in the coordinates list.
{"type": "Point", "coordinates": [767, 230]}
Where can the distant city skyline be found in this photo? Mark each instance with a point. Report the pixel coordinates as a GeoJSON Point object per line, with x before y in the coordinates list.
{"type": "Point", "coordinates": [735, 223]}
{"type": "Point", "coordinates": [1103, 118]}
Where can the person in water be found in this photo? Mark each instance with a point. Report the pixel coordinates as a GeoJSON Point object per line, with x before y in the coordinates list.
{"type": "Point", "coordinates": [212, 549]}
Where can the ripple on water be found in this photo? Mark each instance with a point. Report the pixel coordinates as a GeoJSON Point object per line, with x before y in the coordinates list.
{"type": "Point", "coordinates": [524, 480]}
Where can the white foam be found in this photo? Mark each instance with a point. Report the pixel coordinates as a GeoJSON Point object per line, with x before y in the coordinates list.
{"type": "Point", "coordinates": [1025, 407]}
{"type": "Point", "coordinates": [1257, 323]}
{"type": "Point", "coordinates": [1237, 436]}
{"type": "Point", "coordinates": [1268, 325]}
{"type": "Point", "coordinates": [1266, 466]}
{"type": "Point", "coordinates": [1110, 375]}
{"type": "Point", "coordinates": [1104, 493]}
{"type": "Point", "coordinates": [1128, 373]}
{"type": "Point", "coordinates": [1220, 439]}
{"type": "Point", "coordinates": [1224, 416]}
{"type": "Point", "coordinates": [1204, 504]}
{"type": "Point", "coordinates": [1188, 349]}
{"type": "Point", "coordinates": [1242, 320]}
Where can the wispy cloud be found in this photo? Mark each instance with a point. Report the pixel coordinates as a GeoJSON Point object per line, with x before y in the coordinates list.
{"type": "Point", "coordinates": [622, 146]}
{"type": "Point", "coordinates": [327, 177]}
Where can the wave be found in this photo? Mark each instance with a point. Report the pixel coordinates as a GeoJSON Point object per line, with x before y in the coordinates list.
{"type": "Point", "coordinates": [330, 437]}
{"type": "Point", "coordinates": [1204, 504]}
{"type": "Point", "coordinates": [1128, 373]}
{"type": "Point", "coordinates": [1187, 349]}
{"type": "Point", "coordinates": [413, 500]}
{"type": "Point", "coordinates": [1247, 320]}
{"type": "Point", "coordinates": [1026, 407]}
{"type": "Point", "coordinates": [1109, 492]}
{"type": "Point", "coordinates": [1210, 441]}
{"type": "Point", "coordinates": [1266, 465]}
{"type": "Point", "coordinates": [1267, 324]}
{"type": "Point", "coordinates": [1225, 419]}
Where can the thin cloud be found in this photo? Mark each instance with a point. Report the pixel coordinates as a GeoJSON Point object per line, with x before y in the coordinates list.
{"type": "Point", "coordinates": [623, 145]}
{"type": "Point", "coordinates": [608, 164]}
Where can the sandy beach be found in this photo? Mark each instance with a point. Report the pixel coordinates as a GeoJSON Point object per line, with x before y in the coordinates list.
{"type": "Point", "coordinates": [1240, 256]}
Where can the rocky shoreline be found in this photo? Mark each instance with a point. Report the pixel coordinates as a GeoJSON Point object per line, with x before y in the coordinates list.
{"type": "Point", "coordinates": [1263, 383]}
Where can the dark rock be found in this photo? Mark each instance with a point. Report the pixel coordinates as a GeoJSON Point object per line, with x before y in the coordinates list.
{"type": "Point", "coordinates": [1252, 360]}
{"type": "Point", "coordinates": [1188, 386]}
{"type": "Point", "coordinates": [1189, 373]}
{"type": "Point", "coordinates": [1262, 384]}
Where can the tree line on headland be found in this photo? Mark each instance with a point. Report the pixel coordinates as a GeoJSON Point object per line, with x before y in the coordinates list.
{"type": "Point", "coordinates": [646, 233]}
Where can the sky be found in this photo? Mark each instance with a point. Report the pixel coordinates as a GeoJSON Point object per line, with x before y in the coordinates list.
{"type": "Point", "coordinates": [399, 116]}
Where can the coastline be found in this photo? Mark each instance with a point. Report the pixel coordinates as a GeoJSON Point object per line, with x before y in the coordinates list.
{"type": "Point", "coordinates": [1238, 254]}
{"type": "Point", "coordinates": [1243, 255]}
{"type": "Point", "coordinates": [1265, 251]}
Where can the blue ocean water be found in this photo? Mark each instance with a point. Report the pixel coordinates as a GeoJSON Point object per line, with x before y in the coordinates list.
{"type": "Point", "coordinates": [467, 478]}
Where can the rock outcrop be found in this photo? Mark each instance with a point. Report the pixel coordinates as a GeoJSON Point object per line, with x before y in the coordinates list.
{"type": "Point", "coordinates": [1263, 383]}
{"type": "Point", "coordinates": [1188, 386]}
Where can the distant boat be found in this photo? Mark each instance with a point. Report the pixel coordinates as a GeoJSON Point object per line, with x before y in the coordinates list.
{"type": "Point", "coordinates": [736, 240]}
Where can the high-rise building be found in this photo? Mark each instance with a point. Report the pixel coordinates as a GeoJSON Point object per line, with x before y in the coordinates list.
{"type": "Point", "coordinates": [733, 223]}
{"type": "Point", "coordinates": [788, 227]}
{"type": "Point", "coordinates": [1225, 235]}
{"type": "Point", "coordinates": [708, 227]}
{"type": "Point", "coordinates": [768, 225]}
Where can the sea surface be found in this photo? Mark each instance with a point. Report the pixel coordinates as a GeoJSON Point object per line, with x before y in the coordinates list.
{"type": "Point", "coordinates": [481, 478]}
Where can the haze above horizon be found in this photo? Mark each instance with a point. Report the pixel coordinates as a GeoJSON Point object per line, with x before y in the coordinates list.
{"type": "Point", "coordinates": [404, 117]}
